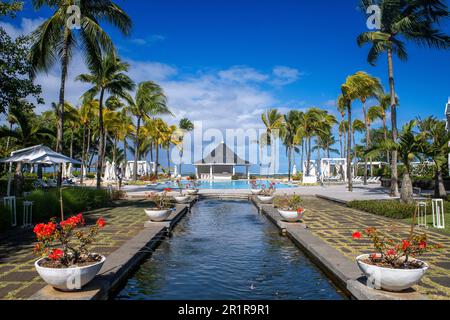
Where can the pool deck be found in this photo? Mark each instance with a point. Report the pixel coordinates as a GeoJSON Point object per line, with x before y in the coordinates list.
{"type": "Point", "coordinates": [325, 236]}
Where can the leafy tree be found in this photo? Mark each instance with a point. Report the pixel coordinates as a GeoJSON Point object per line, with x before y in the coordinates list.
{"type": "Point", "coordinates": [108, 76]}
{"type": "Point", "coordinates": [436, 140]}
{"type": "Point", "coordinates": [15, 83]}
{"type": "Point", "coordinates": [409, 146]}
{"type": "Point", "coordinates": [412, 20]}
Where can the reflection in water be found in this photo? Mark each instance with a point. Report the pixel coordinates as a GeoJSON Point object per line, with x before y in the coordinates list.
{"type": "Point", "coordinates": [227, 250]}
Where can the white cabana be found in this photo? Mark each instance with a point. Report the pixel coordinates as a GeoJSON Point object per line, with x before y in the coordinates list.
{"type": "Point", "coordinates": [333, 169]}
{"type": "Point", "coordinates": [312, 178]}
{"type": "Point", "coordinates": [143, 169]}
{"type": "Point", "coordinates": [36, 155]}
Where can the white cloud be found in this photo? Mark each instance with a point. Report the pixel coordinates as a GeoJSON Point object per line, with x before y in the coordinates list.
{"type": "Point", "coordinates": [25, 28]}
{"type": "Point", "coordinates": [285, 75]}
{"type": "Point", "coordinates": [148, 41]}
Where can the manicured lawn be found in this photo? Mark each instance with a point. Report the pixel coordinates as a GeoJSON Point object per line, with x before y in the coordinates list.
{"type": "Point", "coordinates": [430, 219]}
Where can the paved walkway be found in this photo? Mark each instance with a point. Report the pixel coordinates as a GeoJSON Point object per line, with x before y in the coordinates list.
{"type": "Point", "coordinates": [335, 224]}
{"type": "Point", "coordinates": [18, 278]}
{"type": "Point", "coordinates": [370, 192]}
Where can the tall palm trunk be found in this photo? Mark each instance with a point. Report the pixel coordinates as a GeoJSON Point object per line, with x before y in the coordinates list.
{"type": "Point", "coordinates": [60, 124]}
{"type": "Point", "coordinates": [303, 154]}
{"type": "Point", "coordinates": [394, 174]}
{"type": "Point", "coordinates": [83, 155]}
{"type": "Point", "coordinates": [407, 188]}
{"type": "Point", "coordinates": [290, 162]}
{"type": "Point", "coordinates": [71, 145]}
{"type": "Point", "coordinates": [101, 146]}
{"type": "Point", "coordinates": [308, 157]}
{"type": "Point", "coordinates": [157, 159]}
{"type": "Point", "coordinates": [125, 147]}
{"type": "Point", "coordinates": [439, 187]}
{"type": "Point", "coordinates": [388, 154]}
{"type": "Point", "coordinates": [349, 148]}
{"type": "Point", "coordinates": [366, 122]}
{"type": "Point", "coordinates": [88, 147]}
{"type": "Point", "coordinates": [136, 149]}
{"type": "Point", "coordinates": [168, 158]}
{"type": "Point", "coordinates": [340, 143]}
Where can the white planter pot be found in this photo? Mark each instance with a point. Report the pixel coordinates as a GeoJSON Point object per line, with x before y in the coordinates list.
{"type": "Point", "coordinates": [181, 199]}
{"type": "Point", "coordinates": [256, 191]}
{"type": "Point", "coordinates": [291, 216]}
{"type": "Point", "coordinates": [192, 191]}
{"type": "Point", "coordinates": [158, 215]}
{"type": "Point", "coordinates": [265, 199]}
{"type": "Point", "coordinates": [69, 279]}
{"type": "Point", "coordinates": [395, 280]}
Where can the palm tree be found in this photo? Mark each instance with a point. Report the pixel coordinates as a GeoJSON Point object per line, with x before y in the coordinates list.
{"type": "Point", "coordinates": [384, 101]}
{"type": "Point", "coordinates": [273, 121]}
{"type": "Point", "coordinates": [436, 140]}
{"type": "Point", "coordinates": [125, 129]}
{"type": "Point", "coordinates": [149, 101]}
{"type": "Point", "coordinates": [107, 76]}
{"type": "Point", "coordinates": [87, 113]}
{"type": "Point", "coordinates": [54, 40]}
{"type": "Point", "coordinates": [185, 126]}
{"type": "Point", "coordinates": [73, 119]}
{"type": "Point", "coordinates": [358, 126]}
{"type": "Point", "coordinates": [291, 123]}
{"type": "Point", "coordinates": [341, 107]}
{"type": "Point", "coordinates": [369, 87]}
{"type": "Point", "coordinates": [409, 147]}
{"type": "Point", "coordinates": [416, 21]}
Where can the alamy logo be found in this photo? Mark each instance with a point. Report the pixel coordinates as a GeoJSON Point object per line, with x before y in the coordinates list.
{"type": "Point", "coordinates": [374, 19]}
{"type": "Point", "coordinates": [74, 19]}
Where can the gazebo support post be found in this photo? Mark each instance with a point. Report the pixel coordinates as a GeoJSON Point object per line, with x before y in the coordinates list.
{"type": "Point", "coordinates": [211, 173]}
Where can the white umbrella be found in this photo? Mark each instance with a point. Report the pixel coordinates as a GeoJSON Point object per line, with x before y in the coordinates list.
{"type": "Point", "coordinates": [107, 175]}
{"type": "Point", "coordinates": [294, 171]}
{"type": "Point", "coordinates": [127, 171]}
{"type": "Point", "coordinates": [175, 170]}
{"type": "Point", "coordinates": [36, 155]}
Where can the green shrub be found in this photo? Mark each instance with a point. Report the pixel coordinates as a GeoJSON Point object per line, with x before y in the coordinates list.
{"type": "Point", "coordinates": [91, 175]}
{"type": "Point", "coordinates": [298, 177]}
{"type": "Point", "coordinates": [388, 208]}
{"type": "Point", "coordinates": [235, 177]}
{"type": "Point", "coordinates": [76, 200]}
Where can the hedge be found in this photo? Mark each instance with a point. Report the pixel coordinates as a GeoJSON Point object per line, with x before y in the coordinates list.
{"type": "Point", "coordinates": [388, 208]}
{"type": "Point", "coordinates": [47, 204]}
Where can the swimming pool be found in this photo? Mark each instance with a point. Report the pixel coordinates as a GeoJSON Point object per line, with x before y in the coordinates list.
{"type": "Point", "coordinates": [239, 184]}
{"type": "Point", "coordinates": [227, 250]}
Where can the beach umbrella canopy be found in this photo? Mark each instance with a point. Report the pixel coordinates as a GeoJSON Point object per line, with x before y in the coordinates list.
{"type": "Point", "coordinates": [38, 155]}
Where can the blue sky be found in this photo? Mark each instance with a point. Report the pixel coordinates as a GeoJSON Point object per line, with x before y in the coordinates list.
{"type": "Point", "coordinates": [225, 62]}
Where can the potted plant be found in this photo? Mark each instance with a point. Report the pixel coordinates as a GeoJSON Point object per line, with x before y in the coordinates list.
{"type": "Point", "coordinates": [267, 194]}
{"type": "Point", "coordinates": [255, 187]}
{"type": "Point", "coordinates": [163, 206]}
{"type": "Point", "coordinates": [290, 208]}
{"type": "Point", "coordinates": [181, 198]}
{"type": "Point", "coordinates": [394, 265]}
{"type": "Point", "coordinates": [72, 265]}
{"type": "Point", "coordinates": [192, 188]}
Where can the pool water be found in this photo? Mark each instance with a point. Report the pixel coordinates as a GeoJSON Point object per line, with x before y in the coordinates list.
{"type": "Point", "coordinates": [226, 250]}
{"type": "Point", "coordinates": [215, 185]}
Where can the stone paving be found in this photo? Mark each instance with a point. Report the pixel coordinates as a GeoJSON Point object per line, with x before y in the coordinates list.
{"type": "Point", "coordinates": [335, 224]}
{"type": "Point", "coordinates": [18, 278]}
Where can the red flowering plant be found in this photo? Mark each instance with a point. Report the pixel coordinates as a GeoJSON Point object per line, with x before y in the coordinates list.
{"type": "Point", "coordinates": [268, 191]}
{"type": "Point", "coordinates": [394, 254]}
{"type": "Point", "coordinates": [292, 203]}
{"type": "Point", "coordinates": [74, 242]}
{"type": "Point", "coordinates": [254, 185]}
{"type": "Point", "coordinates": [161, 200]}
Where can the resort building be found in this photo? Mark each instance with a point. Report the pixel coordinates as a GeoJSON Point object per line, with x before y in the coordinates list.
{"type": "Point", "coordinates": [220, 164]}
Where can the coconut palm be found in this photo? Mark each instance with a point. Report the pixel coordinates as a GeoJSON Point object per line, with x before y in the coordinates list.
{"type": "Point", "coordinates": [409, 147]}
{"type": "Point", "coordinates": [107, 75]}
{"type": "Point", "coordinates": [384, 101]}
{"type": "Point", "coordinates": [125, 129]}
{"type": "Point", "coordinates": [54, 40]}
{"type": "Point", "coordinates": [436, 140]}
{"type": "Point", "coordinates": [185, 126]}
{"type": "Point", "coordinates": [87, 113]}
{"type": "Point", "coordinates": [369, 87]}
{"type": "Point", "coordinates": [150, 101]}
{"type": "Point", "coordinates": [416, 21]}
{"type": "Point", "coordinates": [273, 121]}
{"type": "Point", "coordinates": [291, 123]}
{"type": "Point", "coordinates": [341, 107]}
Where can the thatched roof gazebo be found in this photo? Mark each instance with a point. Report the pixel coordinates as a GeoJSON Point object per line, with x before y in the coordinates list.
{"type": "Point", "coordinates": [220, 164]}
